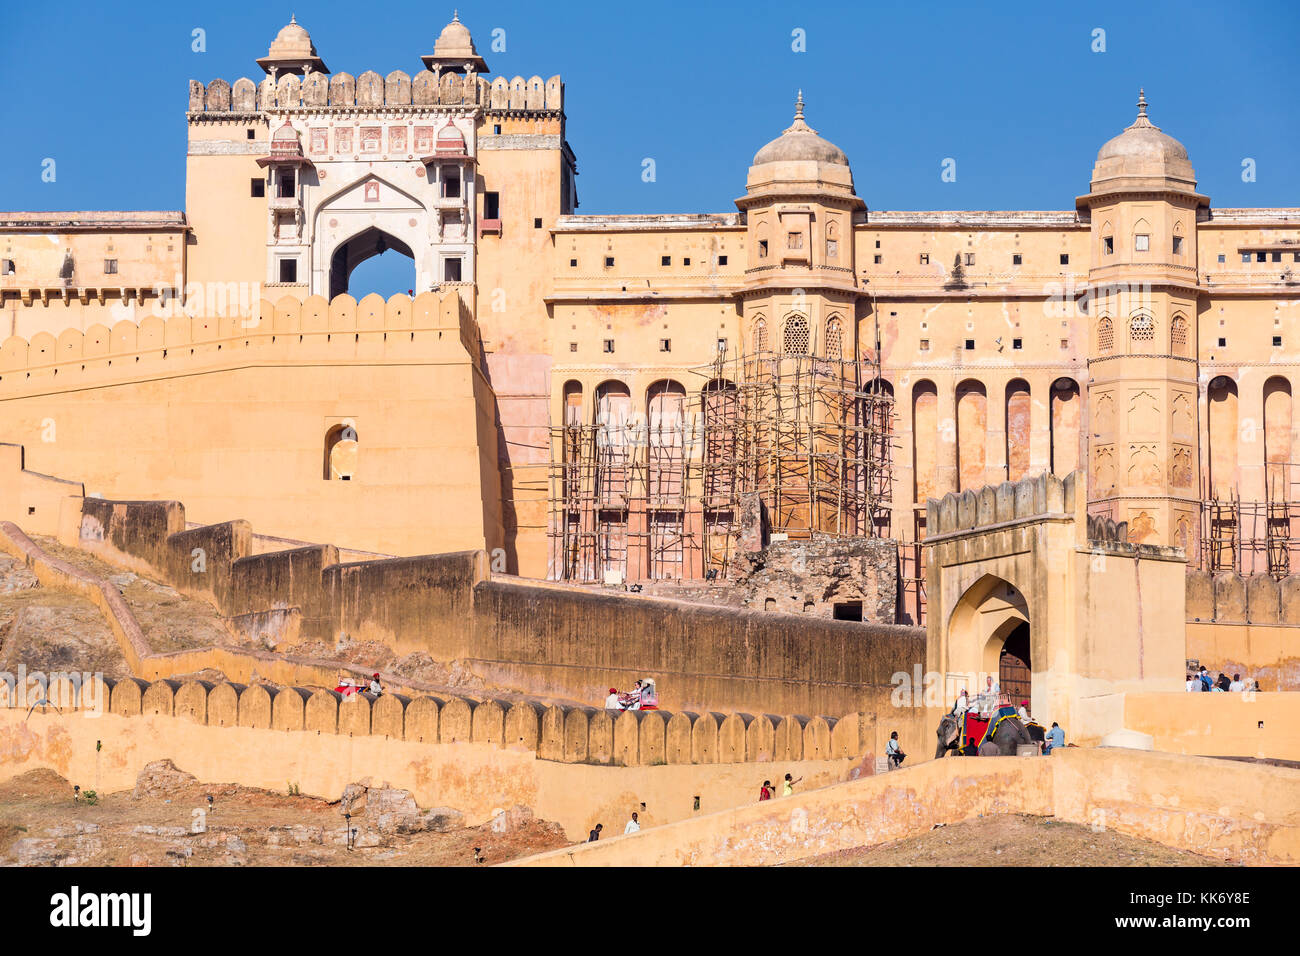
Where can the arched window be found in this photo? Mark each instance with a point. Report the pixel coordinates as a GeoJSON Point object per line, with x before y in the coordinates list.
{"type": "Point", "coordinates": [1178, 335]}
{"type": "Point", "coordinates": [760, 335]}
{"type": "Point", "coordinates": [341, 453]}
{"type": "Point", "coordinates": [1141, 328]}
{"type": "Point", "coordinates": [834, 340]}
{"type": "Point", "coordinates": [795, 341]}
{"type": "Point", "coordinates": [1105, 335]}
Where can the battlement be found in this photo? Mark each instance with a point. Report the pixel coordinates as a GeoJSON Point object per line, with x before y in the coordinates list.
{"type": "Point", "coordinates": [1040, 496]}
{"type": "Point", "coordinates": [222, 332]}
{"type": "Point", "coordinates": [370, 91]}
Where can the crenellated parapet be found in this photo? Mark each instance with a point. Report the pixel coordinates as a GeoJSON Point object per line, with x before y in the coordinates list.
{"type": "Point", "coordinates": [1010, 501]}
{"type": "Point", "coordinates": [370, 91]}
{"type": "Point", "coordinates": [212, 327]}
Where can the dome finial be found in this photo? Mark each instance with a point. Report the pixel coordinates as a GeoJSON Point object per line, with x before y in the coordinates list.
{"type": "Point", "coordinates": [798, 106]}
{"type": "Point", "coordinates": [1143, 121]}
{"type": "Point", "coordinates": [293, 18]}
{"type": "Point", "coordinates": [455, 15]}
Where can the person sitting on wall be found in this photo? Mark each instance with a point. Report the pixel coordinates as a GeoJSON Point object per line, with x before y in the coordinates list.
{"type": "Point", "coordinates": [1222, 683]}
{"type": "Point", "coordinates": [1193, 684]}
{"type": "Point", "coordinates": [594, 835]}
{"type": "Point", "coordinates": [1237, 686]}
{"type": "Point", "coordinates": [632, 700]}
{"type": "Point", "coordinates": [347, 687]}
{"type": "Point", "coordinates": [376, 688]}
{"type": "Point", "coordinates": [611, 702]}
{"type": "Point", "coordinates": [1204, 676]}
{"type": "Point", "coordinates": [1055, 738]}
{"type": "Point", "coordinates": [896, 755]}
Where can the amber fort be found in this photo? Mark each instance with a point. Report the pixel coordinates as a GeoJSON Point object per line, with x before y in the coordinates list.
{"type": "Point", "coordinates": [809, 465]}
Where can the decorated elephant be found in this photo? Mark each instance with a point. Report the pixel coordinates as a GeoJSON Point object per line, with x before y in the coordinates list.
{"type": "Point", "coordinates": [1008, 732]}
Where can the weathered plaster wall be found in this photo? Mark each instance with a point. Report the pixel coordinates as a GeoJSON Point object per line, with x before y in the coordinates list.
{"type": "Point", "coordinates": [478, 779]}
{"type": "Point", "coordinates": [1229, 810]}
{"type": "Point", "coordinates": [1265, 725]}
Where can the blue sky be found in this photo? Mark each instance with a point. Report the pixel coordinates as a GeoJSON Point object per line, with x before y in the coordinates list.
{"type": "Point", "coordinates": [1012, 91]}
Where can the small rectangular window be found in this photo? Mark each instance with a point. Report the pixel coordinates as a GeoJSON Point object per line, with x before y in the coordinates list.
{"type": "Point", "coordinates": [722, 260]}
{"type": "Point", "coordinates": [8, 267]}
{"type": "Point", "coordinates": [609, 345]}
{"type": "Point", "coordinates": [573, 263]}
{"type": "Point", "coordinates": [288, 270]}
{"type": "Point", "coordinates": [110, 267]}
{"type": "Point", "coordinates": [1222, 342]}
{"type": "Point", "coordinates": [1277, 341]}
{"type": "Point", "coordinates": [1295, 257]}
{"type": "Point", "coordinates": [970, 258]}
{"type": "Point", "coordinates": [1178, 245]}
{"type": "Point", "coordinates": [573, 346]}
{"type": "Point", "coordinates": [257, 188]}
{"type": "Point", "coordinates": [285, 190]}
{"type": "Point", "coordinates": [1261, 257]}
{"type": "Point", "coordinates": [492, 205]}
{"type": "Point", "coordinates": [451, 270]}
{"type": "Point", "coordinates": [1065, 258]}
{"type": "Point", "coordinates": [722, 346]}
{"type": "Point", "coordinates": [1141, 243]}
{"type": "Point", "coordinates": [665, 345]}
{"type": "Point", "coordinates": [832, 248]}
{"type": "Point", "coordinates": [1245, 257]}
{"type": "Point", "coordinates": [877, 243]}
{"type": "Point", "coordinates": [496, 129]}
{"type": "Point", "coordinates": [251, 134]}
{"type": "Point", "coordinates": [762, 248]}
{"type": "Point", "coordinates": [925, 345]}
{"type": "Point", "coordinates": [537, 223]}
{"type": "Point", "coordinates": [1108, 245]}
{"type": "Point", "coordinates": [1065, 344]}
{"type": "Point", "coordinates": [686, 261]}
{"type": "Point", "coordinates": [1277, 257]}
{"type": "Point", "coordinates": [665, 260]}
{"type": "Point", "coordinates": [1017, 343]}
{"type": "Point", "coordinates": [925, 258]}
{"type": "Point", "coordinates": [609, 262]}
{"type": "Point", "coordinates": [1017, 259]}
{"type": "Point", "coordinates": [877, 260]}
{"type": "Point", "coordinates": [794, 240]}
{"type": "Point", "coordinates": [1222, 257]}
{"type": "Point", "coordinates": [970, 345]}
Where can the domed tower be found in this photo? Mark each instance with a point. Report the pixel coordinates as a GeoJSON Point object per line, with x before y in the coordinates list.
{"type": "Point", "coordinates": [292, 52]}
{"type": "Point", "coordinates": [799, 336]}
{"type": "Point", "coordinates": [1141, 305]}
{"type": "Point", "coordinates": [799, 205]}
{"type": "Point", "coordinates": [454, 51]}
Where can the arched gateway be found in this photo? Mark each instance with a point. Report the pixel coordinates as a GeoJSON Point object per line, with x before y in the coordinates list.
{"type": "Point", "coordinates": [1057, 606]}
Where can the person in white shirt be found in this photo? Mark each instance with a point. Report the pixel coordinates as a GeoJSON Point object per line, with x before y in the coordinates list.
{"type": "Point", "coordinates": [632, 825]}
{"type": "Point", "coordinates": [1236, 687]}
{"type": "Point", "coordinates": [893, 751]}
{"type": "Point", "coordinates": [1023, 710]}
{"type": "Point", "coordinates": [989, 698]}
{"type": "Point", "coordinates": [1193, 684]}
{"type": "Point", "coordinates": [963, 703]}
{"type": "Point", "coordinates": [611, 702]}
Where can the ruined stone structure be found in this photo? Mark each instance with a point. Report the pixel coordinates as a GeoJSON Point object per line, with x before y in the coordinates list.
{"type": "Point", "coordinates": [597, 397]}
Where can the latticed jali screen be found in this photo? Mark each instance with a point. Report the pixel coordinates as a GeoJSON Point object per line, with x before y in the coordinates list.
{"type": "Point", "coordinates": [661, 491]}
